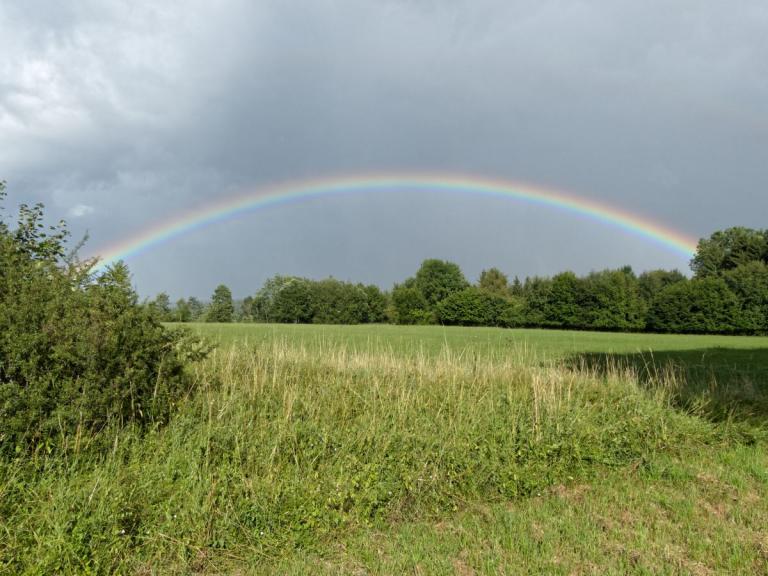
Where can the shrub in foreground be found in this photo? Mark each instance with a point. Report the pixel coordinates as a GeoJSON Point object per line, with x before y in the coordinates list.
{"type": "Point", "coordinates": [76, 350]}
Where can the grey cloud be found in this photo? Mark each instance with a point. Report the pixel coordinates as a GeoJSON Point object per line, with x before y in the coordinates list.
{"type": "Point", "coordinates": [146, 109]}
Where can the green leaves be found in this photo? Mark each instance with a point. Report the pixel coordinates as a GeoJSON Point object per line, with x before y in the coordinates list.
{"type": "Point", "coordinates": [438, 279]}
{"type": "Point", "coordinates": [222, 309]}
{"type": "Point", "coordinates": [729, 249]}
{"type": "Point", "coordinates": [76, 350]}
{"type": "Point", "coordinates": [476, 307]}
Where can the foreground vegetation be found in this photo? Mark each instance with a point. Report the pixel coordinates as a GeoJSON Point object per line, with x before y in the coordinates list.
{"type": "Point", "coordinates": [703, 513]}
{"type": "Point", "coordinates": [289, 455]}
{"type": "Point", "coordinates": [77, 351]}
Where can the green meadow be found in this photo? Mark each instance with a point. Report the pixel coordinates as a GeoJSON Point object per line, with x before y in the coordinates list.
{"type": "Point", "coordinates": [418, 450]}
{"type": "Point", "coordinates": [728, 368]}
{"type": "Point", "coordinates": [432, 340]}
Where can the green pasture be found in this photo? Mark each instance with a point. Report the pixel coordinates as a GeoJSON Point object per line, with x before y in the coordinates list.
{"type": "Point", "coordinates": [550, 343]}
{"type": "Point", "coordinates": [416, 450]}
{"type": "Point", "coordinates": [702, 361]}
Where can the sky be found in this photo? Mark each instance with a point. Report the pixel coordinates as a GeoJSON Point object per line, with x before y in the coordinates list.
{"type": "Point", "coordinates": [122, 115]}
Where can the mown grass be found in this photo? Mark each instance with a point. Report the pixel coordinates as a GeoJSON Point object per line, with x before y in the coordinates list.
{"type": "Point", "coordinates": [330, 455]}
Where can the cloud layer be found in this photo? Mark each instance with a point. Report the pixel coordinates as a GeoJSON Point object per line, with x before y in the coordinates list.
{"type": "Point", "coordinates": [141, 110]}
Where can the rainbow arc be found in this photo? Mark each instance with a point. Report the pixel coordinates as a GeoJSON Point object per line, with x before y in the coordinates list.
{"type": "Point", "coordinates": [291, 192]}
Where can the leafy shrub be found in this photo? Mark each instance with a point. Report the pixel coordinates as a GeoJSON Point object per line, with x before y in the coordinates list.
{"type": "Point", "coordinates": [77, 351]}
{"type": "Point", "coordinates": [476, 307]}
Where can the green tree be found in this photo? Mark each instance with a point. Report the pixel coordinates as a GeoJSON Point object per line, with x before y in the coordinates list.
{"type": "Point", "coordinates": [292, 302]}
{"type": "Point", "coordinates": [513, 313]}
{"type": "Point", "coordinates": [536, 296]}
{"type": "Point", "coordinates": [611, 301]}
{"type": "Point", "coordinates": [494, 282]}
{"type": "Point", "coordinates": [182, 311]}
{"type": "Point", "coordinates": [245, 310]}
{"type": "Point", "coordinates": [377, 304]}
{"type": "Point", "coordinates": [438, 279]}
{"type": "Point", "coordinates": [476, 307]}
{"type": "Point", "coordinates": [728, 249]}
{"type": "Point", "coordinates": [264, 300]}
{"type": "Point", "coordinates": [701, 306]}
{"type": "Point", "coordinates": [749, 282]}
{"type": "Point", "coordinates": [161, 307]}
{"type": "Point", "coordinates": [222, 308]}
{"type": "Point", "coordinates": [336, 302]}
{"type": "Point", "coordinates": [652, 282]}
{"type": "Point", "coordinates": [409, 304]}
{"type": "Point", "coordinates": [196, 309]}
{"type": "Point", "coordinates": [564, 304]}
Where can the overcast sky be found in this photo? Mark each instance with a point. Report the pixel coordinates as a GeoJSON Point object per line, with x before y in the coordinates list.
{"type": "Point", "coordinates": [121, 114]}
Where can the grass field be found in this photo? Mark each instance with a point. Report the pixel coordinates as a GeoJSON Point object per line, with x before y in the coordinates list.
{"type": "Point", "coordinates": [383, 450]}
{"type": "Point", "coordinates": [432, 339]}
{"type": "Point", "coordinates": [728, 372]}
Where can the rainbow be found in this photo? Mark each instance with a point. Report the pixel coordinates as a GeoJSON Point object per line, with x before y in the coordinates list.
{"type": "Point", "coordinates": [239, 204]}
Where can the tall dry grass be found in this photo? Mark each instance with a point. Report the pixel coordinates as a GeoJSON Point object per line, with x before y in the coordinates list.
{"type": "Point", "coordinates": [283, 445]}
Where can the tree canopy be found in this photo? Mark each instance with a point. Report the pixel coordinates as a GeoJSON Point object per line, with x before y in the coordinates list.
{"type": "Point", "coordinates": [728, 249]}
{"type": "Point", "coordinates": [733, 300]}
{"type": "Point", "coordinates": [438, 279]}
{"type": "Point", "coordinates": [222, 308]}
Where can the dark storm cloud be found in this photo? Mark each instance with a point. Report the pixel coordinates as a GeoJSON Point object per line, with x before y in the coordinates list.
{"type": "Point", "coordinates": [117, 114]}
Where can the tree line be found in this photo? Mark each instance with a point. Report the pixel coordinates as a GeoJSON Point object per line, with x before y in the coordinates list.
{"type": "Point", "coordinates": [727, 294]}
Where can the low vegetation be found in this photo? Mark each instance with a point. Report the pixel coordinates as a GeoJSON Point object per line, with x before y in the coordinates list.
{"type": "Point", "coordinates": [288, 449]}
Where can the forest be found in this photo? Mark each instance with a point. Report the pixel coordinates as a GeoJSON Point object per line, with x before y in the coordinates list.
{"type": "Point", "coordinates": [726, 294]}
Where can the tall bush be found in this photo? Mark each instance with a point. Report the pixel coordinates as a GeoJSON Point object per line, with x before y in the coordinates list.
{"type": "Point", "coordinates": [77, 351]}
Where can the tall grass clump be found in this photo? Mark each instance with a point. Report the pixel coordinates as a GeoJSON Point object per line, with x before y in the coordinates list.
{"type": "Point", "coordinates": [284, 445]}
